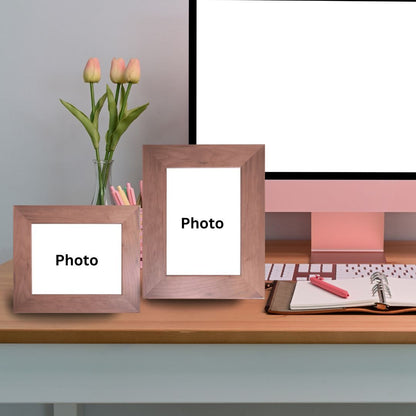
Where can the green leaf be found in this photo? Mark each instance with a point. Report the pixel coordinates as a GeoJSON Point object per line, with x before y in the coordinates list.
{"type": "Point", "coordinates": [108, 141]}
{"type": "Point", "coordinates": [125, 122]}
{"type": "Point", "coordinates": [98, 108]}
{"type": "Point", "coordinates": [85, 121]}
{"type": "Point", "coordinates": [112, 109]}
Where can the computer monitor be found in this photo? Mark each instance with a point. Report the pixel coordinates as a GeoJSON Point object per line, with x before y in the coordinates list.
{"type": "Point", "coordinates": [330, 88]}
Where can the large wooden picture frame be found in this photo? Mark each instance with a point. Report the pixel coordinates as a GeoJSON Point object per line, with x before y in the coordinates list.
{"type": "Point", "coordinates": [249, 282]}
{"type": "Point", "coordinates": [125, 221]}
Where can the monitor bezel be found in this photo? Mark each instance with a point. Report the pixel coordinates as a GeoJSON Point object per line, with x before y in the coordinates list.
{"type": "Point", "coordinates": [270, 175]}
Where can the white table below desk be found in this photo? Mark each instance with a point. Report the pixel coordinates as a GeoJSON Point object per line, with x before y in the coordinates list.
{"type": "Point", "coordinates": [191, 373]}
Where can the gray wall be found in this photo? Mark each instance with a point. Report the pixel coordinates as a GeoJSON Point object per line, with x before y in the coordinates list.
{"type": "Point", "coordinates": [46, 155]}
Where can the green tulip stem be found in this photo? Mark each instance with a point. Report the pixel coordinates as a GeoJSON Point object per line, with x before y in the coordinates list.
{"type": "Point", "coordinates": [92, 101]}
{"type": "Point", "coordinates": [104, 175]}
{"type": "Point", "coordinates": [101, 185]}
{"type": "Point", "coordinates": [117, 93]}
{"type": "Point", "coordinates": [124, 105]}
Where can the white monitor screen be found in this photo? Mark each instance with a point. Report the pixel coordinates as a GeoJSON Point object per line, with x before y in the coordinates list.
{"type": "Point", "coordinates": [327, 86]}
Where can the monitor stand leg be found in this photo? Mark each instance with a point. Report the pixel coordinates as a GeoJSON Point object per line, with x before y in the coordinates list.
{"type": "Point", "coordinates": [339, 237]}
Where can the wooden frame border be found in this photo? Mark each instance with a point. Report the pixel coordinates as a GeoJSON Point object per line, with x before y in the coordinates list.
{"type": "Point", "coordinates": [23, 299]}
{"type": "Point", "coordinates": [250, 283]}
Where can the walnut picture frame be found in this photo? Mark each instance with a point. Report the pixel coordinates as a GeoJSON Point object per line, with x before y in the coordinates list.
{"type": "Point", "coordinates": [76, 259]}
{"type": "Point", "coordinates": [203, 222]}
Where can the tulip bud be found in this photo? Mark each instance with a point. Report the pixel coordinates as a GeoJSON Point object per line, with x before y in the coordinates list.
{"type": "Point", "coordinates": [132, 73]}
{"type": "Point", "coordinates": [92, 71]}
{"type": "Point", "coordinates": [117, 70]}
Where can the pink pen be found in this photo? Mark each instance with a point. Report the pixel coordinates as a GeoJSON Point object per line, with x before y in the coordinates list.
{"type": "Point", "coordinates": [318, 281]}
{"type": "Point", "coordinates": [130, 194]}
{"type": "Point", "coordinates": [115, 196]}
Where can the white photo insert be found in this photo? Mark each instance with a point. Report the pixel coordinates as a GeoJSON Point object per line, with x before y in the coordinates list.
{"type": "Point", "coordinates": [203, 221]}
{"type": "Point", "coordinates": [76, 259]}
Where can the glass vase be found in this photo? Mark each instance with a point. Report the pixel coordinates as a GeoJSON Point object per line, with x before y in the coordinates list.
{"type": "Point", "coordinates": [102, 194]}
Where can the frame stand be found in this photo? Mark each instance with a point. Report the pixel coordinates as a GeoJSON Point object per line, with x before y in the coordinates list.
{"type": "Point", "coordinates": [340, 237]}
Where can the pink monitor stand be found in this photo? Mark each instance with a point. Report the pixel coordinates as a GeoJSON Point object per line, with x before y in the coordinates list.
{"type": "Point", "coordinates": [347, 237]}
{"type": "Point", "coordinates": [347, 221]}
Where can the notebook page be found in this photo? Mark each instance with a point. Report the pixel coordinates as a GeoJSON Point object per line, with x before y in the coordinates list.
{"type": "Point", "coordinates": [308, 296]}
{"type": "Point", "coordinates": [403, 292]}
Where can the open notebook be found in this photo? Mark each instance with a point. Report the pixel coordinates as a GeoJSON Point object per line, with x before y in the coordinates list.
{"type": "Point", "coordinates": [377, 293]}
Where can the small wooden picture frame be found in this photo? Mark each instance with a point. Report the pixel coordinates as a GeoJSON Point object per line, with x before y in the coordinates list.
{"type": "Point", "coordinates": [203, 222]}
{"type": "Point", "coordinates": [76, 259]}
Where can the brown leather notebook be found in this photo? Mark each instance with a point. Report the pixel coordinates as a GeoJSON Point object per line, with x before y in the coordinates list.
{"type": "Point", "coordinates": [281, 295]}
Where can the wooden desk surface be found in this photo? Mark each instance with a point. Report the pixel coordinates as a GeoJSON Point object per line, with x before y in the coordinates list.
{"type": "Point", "coordinates": [207, 321]}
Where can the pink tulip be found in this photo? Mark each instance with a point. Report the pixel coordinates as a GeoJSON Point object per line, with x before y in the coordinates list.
{"type": "Point", "coordinates": [92, 71]}
{"type": "Point", "coordinates": [117, 70]}
{"type": "Point", "coordinates": [132, 73]}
